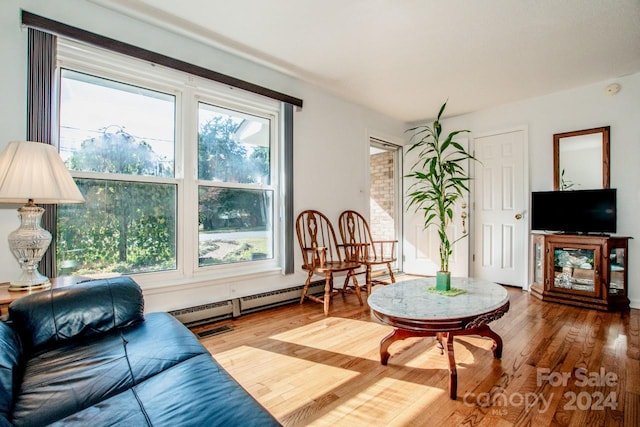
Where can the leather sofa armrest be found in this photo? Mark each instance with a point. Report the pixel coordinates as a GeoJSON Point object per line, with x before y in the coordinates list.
{"type": "Point", "coordinates": [49, 318]}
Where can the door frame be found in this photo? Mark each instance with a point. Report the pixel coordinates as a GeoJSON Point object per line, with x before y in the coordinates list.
{"type": "Point", "coordinates": [390, 143]}
{"type": "Point", "coordinates": [525, 275]}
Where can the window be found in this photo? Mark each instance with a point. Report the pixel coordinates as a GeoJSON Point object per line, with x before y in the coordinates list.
{"type": "Point", "coordinates": [235, 199]}
{"type": "Point", "coordinates": [179, 173]}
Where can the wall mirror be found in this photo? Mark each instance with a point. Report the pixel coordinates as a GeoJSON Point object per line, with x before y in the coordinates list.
{"type": "Point", "coordinates": [581, 159]}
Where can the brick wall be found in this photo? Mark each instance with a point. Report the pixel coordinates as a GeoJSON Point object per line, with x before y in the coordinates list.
{"type": "Point", "coordinates": [382, 196]}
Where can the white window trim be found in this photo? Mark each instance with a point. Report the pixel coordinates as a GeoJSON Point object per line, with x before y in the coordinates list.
{"type": "Point", "coordinates": [188, 90]}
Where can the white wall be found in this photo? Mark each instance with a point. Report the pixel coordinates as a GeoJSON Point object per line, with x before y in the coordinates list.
{"type": "Point", "coordinates": [328, 133]}
{"type": "Point", "coordinates": [581, 108]}
{"type": "Point", "coordinates": [331, 135]}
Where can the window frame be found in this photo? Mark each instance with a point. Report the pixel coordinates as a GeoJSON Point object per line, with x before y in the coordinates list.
{"type": "Point", "coordinates": [189, 91]}
{"type": "Point", "coordinates": [208, 97]}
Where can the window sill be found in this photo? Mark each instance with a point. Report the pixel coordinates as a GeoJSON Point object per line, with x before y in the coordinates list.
{"type": "Point", "coordinates": [176, 282]}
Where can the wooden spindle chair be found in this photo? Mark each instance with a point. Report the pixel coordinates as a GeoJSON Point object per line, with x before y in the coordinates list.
{"type": "Point", "coordinates": [354, 230]}
{"type": "Point", "coordinates": [323, 255]}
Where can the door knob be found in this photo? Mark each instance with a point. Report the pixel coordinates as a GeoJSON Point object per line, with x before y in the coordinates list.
{"type": "Point", "coordinates": [518, 216]}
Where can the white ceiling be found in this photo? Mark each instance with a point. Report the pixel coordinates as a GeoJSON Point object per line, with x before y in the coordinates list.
{"type": "Point", "coordinates": [405, 57]}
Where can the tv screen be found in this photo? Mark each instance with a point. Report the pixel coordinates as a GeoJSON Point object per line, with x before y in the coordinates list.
{"type": "Point", "coordinates": [581, 211]}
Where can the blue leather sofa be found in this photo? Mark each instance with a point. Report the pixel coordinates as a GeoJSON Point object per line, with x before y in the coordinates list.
{"type": "Point", "coordinates": [86, 355]}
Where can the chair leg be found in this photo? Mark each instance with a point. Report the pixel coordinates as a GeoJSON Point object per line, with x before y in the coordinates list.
{"type": "Point", "coordinates": [306, 287]}
{"type": "Point", "coordinates": [345, 286]}
{"type": "Point", "coordinates": [328, 285]}
{"type": "Point", "coordinates": [393, 279]}
{"type": "Point", "coordinates": [368, 276]}
{"type": "Point", "coordinates": [356, 286]}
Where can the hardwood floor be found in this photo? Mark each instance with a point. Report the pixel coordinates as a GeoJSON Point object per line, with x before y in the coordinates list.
{"type": "Point", "coordinates": [308, 369]}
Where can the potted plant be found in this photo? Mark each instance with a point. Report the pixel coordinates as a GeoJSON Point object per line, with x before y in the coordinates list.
{"type": "Point", "coordinates": [441, 180]}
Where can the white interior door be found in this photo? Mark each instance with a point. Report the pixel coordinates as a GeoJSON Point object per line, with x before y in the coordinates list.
{"type": "Point", "coordinates": [500, 214]}
{"type": "Point", "coordinates": [421, 247]}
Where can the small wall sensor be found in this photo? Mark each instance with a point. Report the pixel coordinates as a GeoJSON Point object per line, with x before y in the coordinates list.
{"type": "Point", "coordinates": [612, 89]}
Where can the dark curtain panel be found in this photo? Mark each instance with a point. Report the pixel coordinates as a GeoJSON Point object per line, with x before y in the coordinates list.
{"type": "Point", "coordinates": [288, 189]}
{"type": "Point", "coordinates": [41, 58]}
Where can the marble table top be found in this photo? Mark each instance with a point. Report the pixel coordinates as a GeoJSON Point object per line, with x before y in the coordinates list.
{"type": "Point", "coordinates": [410, 299]}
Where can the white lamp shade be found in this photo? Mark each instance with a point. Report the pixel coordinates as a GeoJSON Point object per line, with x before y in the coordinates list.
{"type": "Point", "coordinates": [33, 170]}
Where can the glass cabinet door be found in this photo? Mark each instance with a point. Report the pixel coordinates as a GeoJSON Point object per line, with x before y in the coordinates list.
{"type": "Point", "coordinates": [616, 271]}
{"type": "Point", "coordinates": [584, 270]}
{"type": "Point", "coordinates": [575, 269]}
{"type": "Point", "coordinates": [538, 260]}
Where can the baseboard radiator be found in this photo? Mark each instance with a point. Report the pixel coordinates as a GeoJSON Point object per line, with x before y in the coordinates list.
{"type": "Point", "coordinates": [213, 312]}
{"type": "Point", "coordinates": [205, 313]}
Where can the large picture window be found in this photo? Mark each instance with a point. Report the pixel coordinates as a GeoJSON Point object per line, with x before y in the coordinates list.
{"type": "Point", "coordinates": [175, 172]}
{"type": "Point", "coordinates": [113, 132]}
{"type": "Point", "coordinates": [235, 199]}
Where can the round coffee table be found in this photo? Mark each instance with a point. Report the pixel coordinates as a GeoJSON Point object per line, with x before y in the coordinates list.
{"type": "Point", "coordinates": [414, 312]}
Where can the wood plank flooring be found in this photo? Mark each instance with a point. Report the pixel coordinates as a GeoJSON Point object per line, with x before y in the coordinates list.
{"type": "Point", "coordinates": [312, 370]}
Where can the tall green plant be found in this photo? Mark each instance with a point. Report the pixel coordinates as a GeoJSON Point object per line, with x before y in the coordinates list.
{"type": "Point", "coordinates": [441, 180]}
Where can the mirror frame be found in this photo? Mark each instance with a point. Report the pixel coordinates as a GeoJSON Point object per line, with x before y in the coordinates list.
{"type": "Point", "coordinates": [605, 130]}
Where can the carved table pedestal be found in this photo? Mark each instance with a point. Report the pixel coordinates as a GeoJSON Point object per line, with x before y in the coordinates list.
{"type": "Point", "coordinates": [414, 312]}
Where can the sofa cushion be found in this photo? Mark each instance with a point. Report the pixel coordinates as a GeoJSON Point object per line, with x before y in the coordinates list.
{"type": "Point", "coordinates": [76, 312]}
{"type": "Point", "coordinates": [75, 376]}
{"type": "Point", "coordinates": [10, 371]}
{"type": "Point", "coordinates": [197, 392]}
{"type": "Point", "coordinates": [159, 343]}
{"type": "Point", "coordinates": [120, 410]}
{"type": "Point", "coordinates": [221, 400]}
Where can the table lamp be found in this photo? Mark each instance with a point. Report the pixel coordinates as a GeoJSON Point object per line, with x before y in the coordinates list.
{"type": "Point", "coordinates": [33, 172]}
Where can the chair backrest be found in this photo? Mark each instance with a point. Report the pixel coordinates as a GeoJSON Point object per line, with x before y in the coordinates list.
{"type": "Point", "coordinates": [355, 229]}
{"type": "Point", "coordinates": [315, 231]}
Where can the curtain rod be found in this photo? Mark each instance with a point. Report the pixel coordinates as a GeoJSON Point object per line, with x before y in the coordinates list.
{"type": "Point", "coordinates": [45, 24]}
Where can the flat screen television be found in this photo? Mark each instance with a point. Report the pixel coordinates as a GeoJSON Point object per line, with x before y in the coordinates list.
{"type": "Point", "coordinates": [574, 212]}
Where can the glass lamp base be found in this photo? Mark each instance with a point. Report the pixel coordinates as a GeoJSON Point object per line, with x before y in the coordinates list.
{"type": "Point", "coordinates": [28, 243]}
{"type": "Point", "coordinates": [29, 280]}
